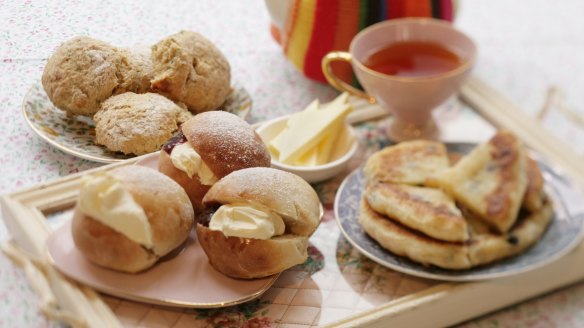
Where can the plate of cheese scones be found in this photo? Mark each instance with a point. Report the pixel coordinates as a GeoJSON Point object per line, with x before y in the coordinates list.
{"type": "Point", "coordinates": [107, 104]}
{"type": "Point", "coordinates": [458, 212]}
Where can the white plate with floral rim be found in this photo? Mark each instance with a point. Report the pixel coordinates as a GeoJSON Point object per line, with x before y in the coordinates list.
{"type": "Point", "coordinates": [563, 234]}
{"type": "Point", "coordinates": [75, 135]}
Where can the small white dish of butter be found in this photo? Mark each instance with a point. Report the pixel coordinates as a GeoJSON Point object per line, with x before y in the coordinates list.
{"type": "Point", "coordinates": [316, 143]}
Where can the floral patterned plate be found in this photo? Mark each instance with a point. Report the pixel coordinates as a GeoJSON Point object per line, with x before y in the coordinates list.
{"type": "Point", "coordinates": [563, 234]}
{"type": "Point", "coordinates": [75, 135]}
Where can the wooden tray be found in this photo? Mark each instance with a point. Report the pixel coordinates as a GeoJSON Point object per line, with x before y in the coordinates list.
{"type": "Point", "coordinates": [337, 286]}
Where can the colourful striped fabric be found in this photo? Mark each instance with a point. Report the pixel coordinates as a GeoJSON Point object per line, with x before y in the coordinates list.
{"type": "Point", "coordinates": [315, 27]}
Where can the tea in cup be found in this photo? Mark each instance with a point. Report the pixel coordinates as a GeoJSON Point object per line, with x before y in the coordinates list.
{"type": "Point", "coordinates": [409, 66]}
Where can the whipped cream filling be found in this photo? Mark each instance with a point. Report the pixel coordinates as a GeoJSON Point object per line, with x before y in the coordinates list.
{"type": "Point", "coordinates": [247, 221]}
{"type": "Point", "coordinates": [103, 198]}
{"type": "Point", "coordinates": [185, 158]}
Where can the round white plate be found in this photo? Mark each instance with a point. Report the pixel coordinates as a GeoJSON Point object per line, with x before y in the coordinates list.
{"type": "Point", "coordinates": [75, 135]}
{"type": "Point", "coordinates": [563, 234]}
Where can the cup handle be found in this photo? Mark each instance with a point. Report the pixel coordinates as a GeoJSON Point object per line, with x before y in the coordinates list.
{"type": "Point", "coordinates": [335, 81]}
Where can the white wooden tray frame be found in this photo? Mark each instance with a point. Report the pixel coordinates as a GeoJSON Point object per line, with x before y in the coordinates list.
{"type": "Point", "coordinates": [445, 304]}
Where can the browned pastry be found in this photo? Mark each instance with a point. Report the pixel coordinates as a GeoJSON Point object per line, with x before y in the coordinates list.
{"type": "Point", "coordinates": [534, 195]}
{"type": "Point", "coordinates": [410, 162]}
{"type": "Point", "coordinates": [483, 247]}
{"type": "Point", "coordinates": [427, 210]}
{"type": "Point", "coordinates": [83, 72]}
{"type": "Point", "coordinates": [274, 191]}
{"type": "Point", "coordinates": [490, 181]}
{"type": "Point", "coordinates": [224, 143]}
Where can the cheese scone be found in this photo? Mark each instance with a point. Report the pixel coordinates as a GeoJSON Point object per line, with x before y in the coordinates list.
{"type": "Point", "coordinates": [189, 68]}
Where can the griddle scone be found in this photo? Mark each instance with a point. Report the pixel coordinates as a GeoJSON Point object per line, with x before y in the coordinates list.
{"type": "Point", "coordinates": [137, 123]}
{"type": "Point", "coordinates": [483, 247]}
{"type": "Point", "coordinates": [490, 181]}
{"type": "Point", "coordinates": [427, 210]}
{"type": "Point", "coordinates": [188, 68]}
{"type": "Point", "coordinates": [127, 218]}
{"type": "Point", "coordinates": [81, 74]}
{"type": "Point", "coordinates": [408, 162]}
{"type": "Point", "coordinates": [258, 222]}
{"type": "Point", "coordinates": [210, 146]}
{"type": "Point", "coordinates": [416, 246]}
{"type": "Point", "coordinates": [474, 219]}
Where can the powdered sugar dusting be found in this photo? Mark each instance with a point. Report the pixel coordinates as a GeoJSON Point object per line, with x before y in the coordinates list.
{"type": "Point", "coordinates": [225, 142]}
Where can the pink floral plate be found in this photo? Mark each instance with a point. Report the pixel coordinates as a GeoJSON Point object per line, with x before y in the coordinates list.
{"type": "Point", "coordinates": [185, 280]}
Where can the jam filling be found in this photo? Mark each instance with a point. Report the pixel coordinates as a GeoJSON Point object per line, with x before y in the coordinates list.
{"type": "Point", "coordinates": [176, 140]}
{"type": "Point", "coordinates": [205, 216]}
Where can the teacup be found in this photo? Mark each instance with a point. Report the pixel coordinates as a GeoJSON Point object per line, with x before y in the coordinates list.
{"type": "Point", "coordinates": [411, 99]}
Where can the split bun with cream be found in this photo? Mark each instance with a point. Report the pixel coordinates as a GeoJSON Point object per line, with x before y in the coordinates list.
{"type": "Point", "coordinates": [208, 147]}
{"type": "Point", "coordinates": [257, 222]}
{"type": "Point", "coordinates": [128, 218]}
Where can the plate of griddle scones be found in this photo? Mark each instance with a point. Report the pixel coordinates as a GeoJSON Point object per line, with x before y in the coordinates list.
{"type": "Point", "coordinates": [203, 223]}
{"type": "Point", "coordinates": [458, 212]}
{"type": "Point", "coordinates": [106, 104]}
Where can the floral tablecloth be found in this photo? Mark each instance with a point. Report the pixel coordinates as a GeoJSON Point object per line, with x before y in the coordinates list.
{"type": "Point", "coordinates": [525, 47]}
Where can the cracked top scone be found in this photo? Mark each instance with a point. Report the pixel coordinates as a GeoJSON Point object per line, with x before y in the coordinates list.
{"type": "Point", "coordinates": [81, 74]}
{"type": "Point", "coordinates": [135, 70]}
{"type": "Point", "coordinates": [137, 123]}
{"type": "Point", "coordinates": [188, 68]}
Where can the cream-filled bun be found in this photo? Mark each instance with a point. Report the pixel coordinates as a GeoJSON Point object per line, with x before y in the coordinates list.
{"type": "Point", "coordinates": [257, 222]}
{"type": "Point", "coordinates": [210, 146]}
{"type": "Point", "coordinates": [127, 218]}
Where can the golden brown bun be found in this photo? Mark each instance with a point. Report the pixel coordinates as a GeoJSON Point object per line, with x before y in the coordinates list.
{"type": "Point", "coordinates": [193, 187]}
{"type": "Point", "coordinates": [168, 210]}
{"type": "Point", "coordinates": [251, 258]}
{"type": "Point", "coordinates": [284, 193]}
{"type": "Point", "coordinates": [225, 143]}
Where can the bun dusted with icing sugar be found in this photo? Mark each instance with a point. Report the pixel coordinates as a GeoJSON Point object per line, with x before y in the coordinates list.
{"type": "Point", "coordinates": [281, 193]}
{"type": "Point", "coordinates": [223, 141]}
{"type": "Point", "coordinates": [166, 206]}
